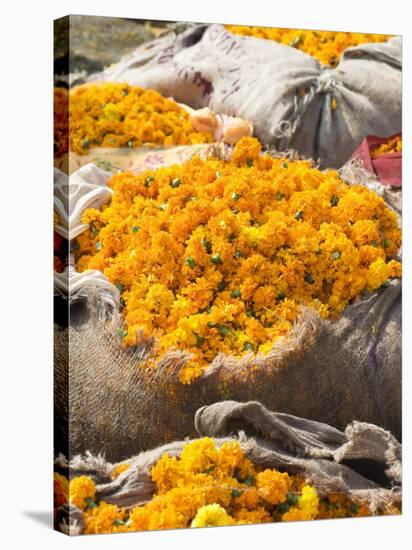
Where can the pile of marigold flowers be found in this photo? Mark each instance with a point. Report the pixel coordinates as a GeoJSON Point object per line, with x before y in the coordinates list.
{"type": "Point", "coordinates": [326, 46]}
{"type": "Point", "coordinates": [215, 256]}
{"type": "Point", "coordinates": [392, 145]}
{"type": "Point", "coordinates": [208, 486]}
{"type": "Point", "coordinates": [61, 121]}
{"type": "Point", "coordinates": [119, 115]}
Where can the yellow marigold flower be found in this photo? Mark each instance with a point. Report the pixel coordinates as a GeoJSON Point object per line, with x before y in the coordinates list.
{"type": "Point", "coordinates": [211, 515]}
{"type": "Point", "coordinates": [392, 145]}
{"type": "Point", "coordinates": [199, 455]}
{"type": "Point", "coordinates": [258, 515]}
{"type": "Point", "coordinates": [273, 486]}
{"type": "Point", "coordinates": [296, 514]}
{"type": "Point", "coordinates": [309, 501]}
{"type": "Point", "coordinates": [248, 498]}
{"type": "Point", "coordinates": [118, 115]}
{"type": "Point", "coordinates": [104, 518]}
{"type": "Point", "coordinates": [246, 151]}
{"type": "Point", "coordinates": [80, 489]}
{"type": "Point", "coordinates": [326, 46]}
{"type": "Point", "coordinates": [207, 486]}
{"type": "Point", "coordinates": [378, 273]}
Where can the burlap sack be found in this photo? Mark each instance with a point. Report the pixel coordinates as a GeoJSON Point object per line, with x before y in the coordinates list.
{"type": "Point", "coordinates": [285, 93]}
{"type": "Point", "coordinates": [364, 462]}
{"type": "Point", "coordinates": [107, 401]}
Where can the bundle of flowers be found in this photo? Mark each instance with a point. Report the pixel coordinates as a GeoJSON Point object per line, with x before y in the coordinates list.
{"type": "Point", "coordinates": [389, 146]}
{"type": "Point", "coordinates": [119, 115]}
{"type": "Point", "coordinates": [326, 46]}
{"type": "Point", "coordinates": [217, 256]}
{"type": "Point", "coordinates": [208, 486]}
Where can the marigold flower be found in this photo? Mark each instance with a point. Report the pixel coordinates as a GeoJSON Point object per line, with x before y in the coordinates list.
{"type": "Point", "coordinates": [211, 515]}
{"type": "Point", "coordinates": [80, 489]}
{"type": "Point", "coordinates": [104, 518]}
{"type": "Point", "coordinates": [391, 145]}
{"type": "Point", "coordinates": [326, 46]}
{"type": "Point", "coordinates": [208, 485]}
{"type": "Point", "coordinates": [273, 486]}
{"type": "Point", "coordinates": [208, 274]}
{"type": "Point", "coordinates": [118, 115]}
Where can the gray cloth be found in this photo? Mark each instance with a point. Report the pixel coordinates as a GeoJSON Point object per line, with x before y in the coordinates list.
{"type": "Point", "coordinates": [286, 93]}
{"type": "Point", "coordinates": [364, 462]}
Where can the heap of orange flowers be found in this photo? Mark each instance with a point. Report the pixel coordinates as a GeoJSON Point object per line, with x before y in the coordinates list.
{"type": "Point", "coordinates": [392, 145]}
{"type": "Point", "coordinates": [326, 46]}
{"type": "Point", "coordinates": [119, 115]}
{"type": "Point", "coordinates": [61, 121]}
{"type": "Point", "coordinates": [208, 486]}
{"type": "Point", "coordinates": [217, 256]}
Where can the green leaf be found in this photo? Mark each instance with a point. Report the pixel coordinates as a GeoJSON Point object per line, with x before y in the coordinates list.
{"type": "Point", "coordinates": [119, 286]}
{"type": "Point", "coordinates": [216, 259]}
{"type": "Point", "coordinates": [90, 503]}
{"type": "Point", "coordinates": [199, 339]}
{"type": "Point", "coordinates": [236, 493]}
{"type": "Point", "coordinates": [135, 229]}
{"type": "Point", "coordinates": [223, 331]}
{"type": "Point", "coordinates": [122, 332]}
{"type": "Point", "coordinates": [249, 162]}
{"type": "Point", "coordinates": [281, 296]}
{"type": "Point", "coordinates": [334, 201]}
{"type": "Point", "coordinates": [190, 262]}
{"type": "Point", "coordinates": [235, 196]}
{"type": "Point", "coordinates": [175, 183]}
{"type": "Point", "coordinates": [222, 285]}
{"type": "Point", "coordinates": [207, 245]}
{"type": "Point", "coordinates": [249, 480]}
{"type": "Point", "coordinates": [309, 278]}
{"type": "Point", "coordinates": [248, 346]}
{"type": "Point", "coordinates": [292, 499]}
{"type": "Point", "coordinates": [236, 293]}
{"type": "Point", "coordinates": [283, 508]}
{"type": "Point", "coordinates": [163, 206]}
